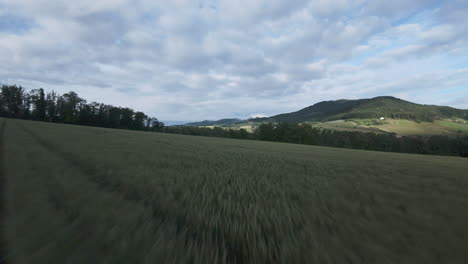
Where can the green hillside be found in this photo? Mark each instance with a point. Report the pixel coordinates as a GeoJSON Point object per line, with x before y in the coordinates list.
{"type": "Point", "coordinates": [320, 111]}
{"type": "Point", "coordinates": [385, 106]}
{"type": "Point", "coordinates": [73, 194]}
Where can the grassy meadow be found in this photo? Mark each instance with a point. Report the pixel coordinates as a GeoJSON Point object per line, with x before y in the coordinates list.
{"type": "Point", "coordinates": [74, 194]}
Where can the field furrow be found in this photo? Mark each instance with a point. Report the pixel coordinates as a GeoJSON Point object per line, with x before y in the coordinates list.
{"type": "Point", "coordinates": [160, 214]}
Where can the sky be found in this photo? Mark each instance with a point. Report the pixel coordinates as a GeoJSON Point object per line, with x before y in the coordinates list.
{"type": "Point", "coordinates": [210, 59]}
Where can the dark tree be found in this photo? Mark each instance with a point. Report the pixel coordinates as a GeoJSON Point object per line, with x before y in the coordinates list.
{"type": "Point", "coordinates": [16, 101]}
{"type": "Point", "coordinates": [114, 117]}
{"type": "Point", "coordinates": [139, 121]}
{"type": "Point", "coordinates": [68, 107]}
{"type": "Point", "coordinates": [126, 118]}
{"type": "Point", "coordinates": [51, 106]}
{"type": "Point", "coordinates": [39, 104]}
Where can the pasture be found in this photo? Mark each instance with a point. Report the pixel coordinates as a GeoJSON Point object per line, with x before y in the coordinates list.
{"type": "Point", "coordinates": [74, 194]}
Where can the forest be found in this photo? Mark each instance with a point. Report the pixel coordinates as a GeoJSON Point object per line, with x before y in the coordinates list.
{"type": "Point", "coordinates": [306, 134]}
{"type": "Point", "coordinates": [69, 108]}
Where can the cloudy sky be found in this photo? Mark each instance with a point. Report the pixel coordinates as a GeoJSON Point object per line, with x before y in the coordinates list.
{"type": "Point", "coordinates": [208, 59]}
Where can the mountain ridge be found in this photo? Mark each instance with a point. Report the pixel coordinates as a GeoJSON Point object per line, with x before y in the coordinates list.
{"type": "Point", "coordinates": [381, 106]}
{"type": "Point", "coordinates": [224, 121]}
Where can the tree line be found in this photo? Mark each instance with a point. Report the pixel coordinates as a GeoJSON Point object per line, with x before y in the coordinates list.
{"type": "Point", "coordinates": [69, 108]}
{"type": "Point", "coordinates": [306, 134]}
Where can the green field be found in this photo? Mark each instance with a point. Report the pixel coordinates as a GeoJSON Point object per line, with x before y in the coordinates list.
{"type": "Point", "coordinates": [401, 127]}
{"type": "Point", "coordinates": [76, 194]}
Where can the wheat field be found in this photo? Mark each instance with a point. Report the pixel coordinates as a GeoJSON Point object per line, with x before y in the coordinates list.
{"type": "Point", "coordinates": [74, 194]}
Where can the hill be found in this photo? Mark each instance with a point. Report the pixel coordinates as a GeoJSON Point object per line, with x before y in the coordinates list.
{"type": "Point", "coordinates": [221, 122]}
{"type": "Point", "coordinates": [384, 106]}
{"type": "Point", "coordinates": [97, 195]}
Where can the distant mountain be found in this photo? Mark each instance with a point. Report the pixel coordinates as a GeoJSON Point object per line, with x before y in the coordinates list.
{"type": "Point", "coordinates": [174, 122]}
{"type": "Point", "coordinates": [221, 122]}
{"type": "Point", "coordinates": [383, 106]}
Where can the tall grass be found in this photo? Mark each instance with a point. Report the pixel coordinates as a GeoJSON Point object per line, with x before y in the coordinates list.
{"type": "Point", "coordinates": [92, 195]}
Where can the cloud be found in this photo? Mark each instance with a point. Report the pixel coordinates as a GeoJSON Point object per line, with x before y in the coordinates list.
{"type": "Point", "coordinates": [208, 59]}
{"type": "Point", "coordinates": [247, 12]}
{"type": "Point", "coordinates": [396, 8]}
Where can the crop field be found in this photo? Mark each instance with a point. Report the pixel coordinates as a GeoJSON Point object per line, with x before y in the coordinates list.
{"type": "Point", "coordinates": [74, 194]}
{"type": "Point", "coordinates": [400, 127]}
{"type": "Point", "coordinates": [348, 125]}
